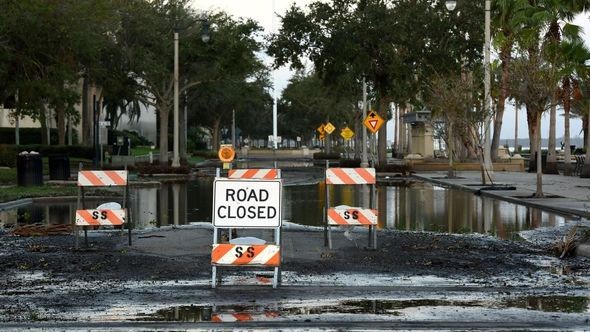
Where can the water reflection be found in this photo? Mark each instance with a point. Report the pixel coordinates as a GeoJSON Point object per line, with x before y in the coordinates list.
{"type": "Point", "coordinates": [194, 313]}
{"type": "Point", "coordinates": [414, 206]}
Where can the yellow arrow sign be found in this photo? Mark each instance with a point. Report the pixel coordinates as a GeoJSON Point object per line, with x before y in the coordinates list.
{"type": "Point", "coordinates": [347, 133]}
{"type": "Point", "coordinates": [373, 121]}
{"type": "Point", "coordinates": [329, 128]}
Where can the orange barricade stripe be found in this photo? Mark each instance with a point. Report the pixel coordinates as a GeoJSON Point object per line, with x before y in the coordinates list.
{"type": "Point", "coordinates": [118, 180]}
{"type": "Point", "coordinates": [275, 260]}
{"type": "Point", "coordinates": [88, 217]}
{"type": "Point", "coordinates": [220, 251]}
{"type": "Point", "coordinates": [332, 214]}
{"type": "Point", "coordinates": [272, 174]}
{"type": "Point", "coordinates": [244, 259]}
{"type": "Point", "coordinates": [370, 178]}
{"type": "Point", "coordinates": [338, 172]}
{"type": "Point", "coordinates": [113, 218]}
{"type": "Point", "coordinates": [91, 177]}
{"type": "Point", "coordinates": [249, 174]}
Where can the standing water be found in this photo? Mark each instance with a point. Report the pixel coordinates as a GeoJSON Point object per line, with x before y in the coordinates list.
{"type": "Point", "coordinates": [412, 206]}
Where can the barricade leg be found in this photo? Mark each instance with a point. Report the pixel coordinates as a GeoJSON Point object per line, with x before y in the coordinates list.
{"type": "Point", "coordinates": [375, 237]}
{"type": "Point", "coordinates": [329, 237]}
{"type": "Point", "coordinates": [77, 235]}
{"type": "Point", "coordinates": [275, 279]}
{"type": "Point", "coordinates": [213, 276]}
{"type": "Point", "coordinates": [370, 235]}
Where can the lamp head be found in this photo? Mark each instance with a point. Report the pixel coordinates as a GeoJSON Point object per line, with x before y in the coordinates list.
{"type": "Point", "coordinates": [450, 4]}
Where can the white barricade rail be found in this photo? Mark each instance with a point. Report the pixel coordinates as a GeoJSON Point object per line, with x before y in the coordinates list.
{"type": "Point", "coordinates": [247, 199]}
{"type": "Point", "coordinates": [350, 176]}
{"type": "Point", "coordinates": [102, 178]}
{"type": "Point", "coordinates": [351, 216]}
{"type": "Point", "coordinates": [101, 216]}
{"type": "Point", "coordinates": [236, 254]}
{"type": "Point", "coordinates": [268, 173]}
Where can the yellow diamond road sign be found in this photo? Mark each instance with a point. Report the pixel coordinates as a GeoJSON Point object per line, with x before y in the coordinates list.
{"type": "Point", "coordinates": [347, 133]}
{"type": "Point", "coordinates": [321, 129]}
{"type": "Point", "coordinates": [373, 121]}
{"type": "Point", "coordinates": [329, 128]}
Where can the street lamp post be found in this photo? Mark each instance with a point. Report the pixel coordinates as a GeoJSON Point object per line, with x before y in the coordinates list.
{"type": "Point", "coordinates": [487, 150]}
{"type": "Point", "coordinates": [205, 38]}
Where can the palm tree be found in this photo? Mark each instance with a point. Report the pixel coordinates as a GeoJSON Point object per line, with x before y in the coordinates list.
{"type": "Point", "coordinates": [581, 107]}
{"type": "Point", "coordinates": [554, 15]}
{"type": "Point", "coordinates": [504, 38]}
{"type": "Point", "coordinates": [573, 55]}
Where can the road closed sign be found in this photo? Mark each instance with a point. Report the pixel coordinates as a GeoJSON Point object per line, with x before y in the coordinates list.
{"type": "Point", "coordinates": [239, 203]}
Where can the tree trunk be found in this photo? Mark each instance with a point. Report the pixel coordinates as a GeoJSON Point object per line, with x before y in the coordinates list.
{"type": "Point", "coordinates": [586, 169]}
{"type": "Point", "coordinates": [539, 192]}
{"type": "Point", "coordinates": [44, 128]}
{"type": "Point", "coordinates": [215, 143]}
{"type": "Point", "coordinates": [382, 142]}
{"type": "Point", "coordinates": [87, 119]}
{"type": "Point", "coordinates": [505, 58]}
{"type": "Point", "coordinates": [451, 148]}
{"type": "Point", "coordinates": [402, 132]}
{"type": "Point", "coordinates": [532, 120]}
{"type": "Point", "coordinates": [182, 130]}
{"type": "Point", "coordinates": [61, 124]}
{"type": "Point", "coordinates": [567, 169]}
{"type": "Point", "coordinates": [164, 111]}
{"type": "Point", "coordinates": [551, 164]}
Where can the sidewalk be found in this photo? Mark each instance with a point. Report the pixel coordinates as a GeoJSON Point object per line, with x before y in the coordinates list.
{"type": "Point", "coordinates": [563, 194]}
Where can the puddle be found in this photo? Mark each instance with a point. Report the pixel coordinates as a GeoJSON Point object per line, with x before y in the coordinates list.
{"type": "Point", "coordinates": [565, 304]}
{"type": "Point", "coordinates": [236, 313]}
{"type": "Point", "coordinates": [219, 314]}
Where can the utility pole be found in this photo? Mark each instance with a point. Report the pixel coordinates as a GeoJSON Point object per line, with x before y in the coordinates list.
{"type": "Point", "coordinates": [364, 161]}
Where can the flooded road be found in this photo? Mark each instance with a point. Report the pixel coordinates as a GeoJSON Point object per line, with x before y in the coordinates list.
{"type": "Point", "coordinates": [408, 205]}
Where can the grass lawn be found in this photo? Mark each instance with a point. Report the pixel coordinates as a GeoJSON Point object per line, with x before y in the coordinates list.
{"type": "Point", "coordinates": [11, 193]}
{"type": "Point", "coordinates": [143, 150]}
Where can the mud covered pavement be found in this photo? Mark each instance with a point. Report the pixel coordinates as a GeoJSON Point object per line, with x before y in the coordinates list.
{"type": "Point", "coordinates": [413, 280]}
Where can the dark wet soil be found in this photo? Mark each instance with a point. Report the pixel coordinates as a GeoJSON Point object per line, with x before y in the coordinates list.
{"type": "Point", "coordinates": [398, 253]}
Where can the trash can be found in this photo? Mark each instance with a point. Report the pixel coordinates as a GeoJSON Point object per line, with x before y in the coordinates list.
{"type": "Point", "coordinates": [29, 169]}
{"type": "Point", "coordinates": [59, 167]}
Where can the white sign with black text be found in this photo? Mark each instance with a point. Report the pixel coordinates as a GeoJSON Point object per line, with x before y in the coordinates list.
{"type": "Point", "coordinates": [246, 203]}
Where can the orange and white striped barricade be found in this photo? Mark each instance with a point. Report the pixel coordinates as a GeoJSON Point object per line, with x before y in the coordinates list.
{"type": "Point", "coordinates": [247, 199]}
{"type": "Point", "coordinates": [351, 216]}
{"type": "Point", "coordinates": [101, 217]}
{"type": "Point", "coordinates": [254, 173]}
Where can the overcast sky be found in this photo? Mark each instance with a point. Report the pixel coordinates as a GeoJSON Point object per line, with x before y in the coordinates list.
{"type": "Point", "coordinates": [264, 11]}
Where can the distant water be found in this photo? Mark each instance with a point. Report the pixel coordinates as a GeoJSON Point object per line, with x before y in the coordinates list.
{"type": "Point", "coordinates": [525, 143]}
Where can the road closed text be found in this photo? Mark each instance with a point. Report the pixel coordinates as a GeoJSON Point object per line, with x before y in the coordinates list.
{"type": "Point", "coordinates": [247, 203]}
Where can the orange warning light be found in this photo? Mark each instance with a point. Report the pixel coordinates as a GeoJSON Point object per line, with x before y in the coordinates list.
{"type": "Point", "coordinates": [226, 153]}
